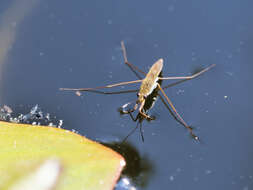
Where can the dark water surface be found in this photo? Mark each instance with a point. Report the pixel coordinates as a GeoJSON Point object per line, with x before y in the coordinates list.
{"type": "Point", "coordinates": [45, 45]}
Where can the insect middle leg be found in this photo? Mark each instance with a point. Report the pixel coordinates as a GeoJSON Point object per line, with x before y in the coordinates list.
{"type": "Point", "coordinates": [101, 87]}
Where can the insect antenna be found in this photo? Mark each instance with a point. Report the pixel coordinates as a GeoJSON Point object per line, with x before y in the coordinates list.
{"type": "Point", "coordinates": [131, 132]}
{"type": "Point", "coordinates": [141, 131]}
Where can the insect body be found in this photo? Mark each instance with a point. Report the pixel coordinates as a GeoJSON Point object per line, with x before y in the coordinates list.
{"type": "Point", "coordinates": [151, 86]}
{"type": "Point", "coordinates": [151, 96]}
{"type": "Point", "coordinates": [149, 83]}
{"type": "Point", "coordinates": [148, 99]}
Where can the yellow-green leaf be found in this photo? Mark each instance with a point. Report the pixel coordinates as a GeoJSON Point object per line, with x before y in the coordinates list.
{"type": "Point", "coordinates": [84, 164]}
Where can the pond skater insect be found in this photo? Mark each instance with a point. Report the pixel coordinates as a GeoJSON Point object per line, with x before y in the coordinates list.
{"type": "Point", "coordinates": [147, 94]}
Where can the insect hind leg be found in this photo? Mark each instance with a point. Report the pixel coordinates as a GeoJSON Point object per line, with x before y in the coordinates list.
{"type": "Point", "coordinates": [132, 67]}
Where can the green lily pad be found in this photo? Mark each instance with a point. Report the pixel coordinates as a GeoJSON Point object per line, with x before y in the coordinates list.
{"type": "Point", "coordinates": [84, 164]}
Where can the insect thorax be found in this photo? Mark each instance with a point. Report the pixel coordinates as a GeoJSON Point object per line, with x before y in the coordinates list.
{"type": "Point", "coordinates": [152, 97]}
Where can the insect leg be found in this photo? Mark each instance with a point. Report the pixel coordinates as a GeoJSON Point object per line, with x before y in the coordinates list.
{"type": "Point", "coordinates": [131, 132]}
{"type": "Point", "coordinates": [100, 87]}
{"type": "Point", "coordinates": [177, 114]}
{"type": "Point", "coordinates": [171, 112]}
{"type": "Point", "coordinates": [144, 114]}
{"type": "Point", "coordinates": [188, 77]}
{"type": "Point", "coordinates": [109, 93]}
{"type": "Point", "coordinates": [125, 108]}
{"type": "Point", "coordinates": [132, 117]}
{"type": "Point", "coordinates": [131, 66]}
{"type": "Point", "coordinates": [141, 131]}
{"type": "Point", "coordinates": [175, 83]}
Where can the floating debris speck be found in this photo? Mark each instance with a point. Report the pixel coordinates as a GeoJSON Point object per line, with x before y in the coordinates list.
{"type": "Point", "coordinates": [60, 123]}
{"type": "Point", "coordinates": [7, 109]}
{"type": "Point", "coordinates": [34, 117]}
{"type": "Point", "coordinates": [78, 93]}
{"type": "Point", "coordinates": [125, 184]}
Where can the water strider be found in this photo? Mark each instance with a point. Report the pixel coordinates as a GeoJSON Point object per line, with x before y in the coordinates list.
{"type": "Point", "coordinates": [147, 94]}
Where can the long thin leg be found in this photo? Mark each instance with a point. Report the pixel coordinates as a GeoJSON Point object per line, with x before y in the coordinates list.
{"type": "Point", "coordinates": [141, 131]}
{"type": "Point", "coordinates": [100, 87]}
{"type": "Point", "coordinates": [188, 77]}
{"type": "Point", "coordinates": [132, 117]}
{"type": "Point", "coordinates": [131, 132]}
{"type": "Point", "coordinates": [131, 66]}
{"type": "Point", "coordinates": [177, 114]}
{"type": "Point", "coordinates": [171, 112]}
{"type": "Point", "coordinates": [178, 82]}
{"type": "Point", "coordinates": [115, 92]}
{"type": "Point", "coordinates": [175, 83]}
{"type": "Point", "coordinates": [130, 111]}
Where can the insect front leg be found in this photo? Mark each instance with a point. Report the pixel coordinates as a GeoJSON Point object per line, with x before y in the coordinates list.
{"type": "Point", "coordinates": [143, 114]}
{"type": "Point", "coordinates": [128, 108]}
